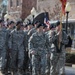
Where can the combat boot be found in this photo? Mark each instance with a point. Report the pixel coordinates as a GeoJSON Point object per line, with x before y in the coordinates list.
{"type": "Point", "coordinates": [63, 74]}
{"type": "Point", "coordinates": [15, 73]}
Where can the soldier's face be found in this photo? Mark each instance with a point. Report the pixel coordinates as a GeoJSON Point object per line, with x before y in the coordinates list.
{"type": "Point", "coordinates": [12, 25]}
{"type": "Point", "coordinates": [45, 29]}
{"type": "Point", "coordinates": [40, 28]}
{"type": "Point", "coordinates": [30, 26]}
{"type": "Point", "coordinates": [18, 26]}
{"type": "Point", "coordinates": [22, 27]}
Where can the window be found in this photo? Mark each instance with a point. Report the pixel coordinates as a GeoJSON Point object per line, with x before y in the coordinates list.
{"type": "Point", "coordinates": [11, 3]}
{"type": "Point", "coordinates": [17, 2]}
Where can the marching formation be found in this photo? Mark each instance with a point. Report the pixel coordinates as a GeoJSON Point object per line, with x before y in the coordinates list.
{"type": "Point", "coordinates": [32, 49]}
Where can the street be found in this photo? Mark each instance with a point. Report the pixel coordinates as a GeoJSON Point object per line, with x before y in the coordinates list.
{"type": "Point", "coordinates": [70, 71]}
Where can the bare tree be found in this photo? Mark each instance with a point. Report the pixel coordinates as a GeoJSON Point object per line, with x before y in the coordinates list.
{"type": "Point", "coordinates": [54, 14]}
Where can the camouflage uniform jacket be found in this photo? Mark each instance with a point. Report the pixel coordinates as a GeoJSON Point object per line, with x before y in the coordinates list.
{"type": "Point", "coordinates": [39, 43]}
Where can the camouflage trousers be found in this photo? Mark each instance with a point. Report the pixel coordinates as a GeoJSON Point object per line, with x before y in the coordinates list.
{"type": "Point", "coordinates": [3, 60]}
{"type": "Point", "coordinates": [61, 64]}
{"type": "Point", "coordinates": [17, 59]}
{"type": "Point", "coordinates": [53, 62]}
{"type": "Point", "coordinates": [39, 64]}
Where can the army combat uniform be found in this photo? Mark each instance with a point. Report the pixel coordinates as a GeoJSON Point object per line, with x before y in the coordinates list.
{"type": "Point", "coordinates": [53, 52]}
{"type": "Point", "coordinates": [17, 48]}
{"type": "Point", "coordinates": [61, 61]}
{"type": "Point", "coordinates": [3, 47]}
{"type": "Point", "coordinates": [39, 44]}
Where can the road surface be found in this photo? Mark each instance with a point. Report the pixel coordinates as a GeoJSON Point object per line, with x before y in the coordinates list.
{"type": "Point", "coordinates": [70, 71]}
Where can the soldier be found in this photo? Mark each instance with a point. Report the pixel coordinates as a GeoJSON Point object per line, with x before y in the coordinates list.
{"type": "Point", "coordinates": [38, 46]}
{"type": "Point", "coordinates": [33, 30]}
{"type": "Point", "coordinates": [17, 48]}
{"type": "Point", "coordinates": [61, 61]}
{"type": "Point", "coordinates": [28, 34]}
{"type": "Point", "coordinates": [46, 29]}
{"type": "Point", "coordinates": [11, 25]}
{"type": "Point", "coordinates": [3, 46]}
{"type": "Point", "coordinates": [10, 28]}
{"type": "Point", "coordinates": [53, 52]}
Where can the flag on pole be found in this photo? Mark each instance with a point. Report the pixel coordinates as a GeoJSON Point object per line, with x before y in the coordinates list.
{"type": "Point", "coordinates": [46, 21]}
{"type": "Point", "coordinates": [63, 5]}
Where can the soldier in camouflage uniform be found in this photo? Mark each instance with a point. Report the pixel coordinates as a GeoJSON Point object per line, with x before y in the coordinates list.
{"type": "Point", "coordinates": [54, 55]}
{"type": "Point", "coordinates": [46, 29]}
{"type": "Point", "coordinates": [38, 46]}
{"type": "Point", "coordinates": [10, 25]}
{"type": "Point", "coordinates": [61, 61]}
{"type": "Point", "coordinates": [3, 46]}
{"type": "Point", "coordinates": [17, 48]}
{"type": "Point", "coordinates": [31, 31]}
{"type": "Point", "coordinates": [28, 34]}
{"type": "Point", "coordinates": [10, 28]}
{"type": "Point", "coordinates": [61, 38]}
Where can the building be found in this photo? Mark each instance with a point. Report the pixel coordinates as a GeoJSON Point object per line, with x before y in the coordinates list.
{"type": "Point", "coordinates": [3, 8]}
{"type": "Point", "coordinates": [21, 8]}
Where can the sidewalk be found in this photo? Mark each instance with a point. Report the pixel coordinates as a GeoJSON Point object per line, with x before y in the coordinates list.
{"type": "Point", "coordinates": [70, 71]}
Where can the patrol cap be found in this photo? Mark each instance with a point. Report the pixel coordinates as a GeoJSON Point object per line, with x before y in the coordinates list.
{"type": "Point", "coordinates": [22, 25]}
{"type": "Point", "coordinates": [11, 22]}
{"type": "Point", "coordinates": [19, 23]}
{"type": "Point", "coordinates": [1, 20]}
{"type": "Point", "coordinates": [52, 26]}
{"type": "Point", "coordinates": [39, 25]}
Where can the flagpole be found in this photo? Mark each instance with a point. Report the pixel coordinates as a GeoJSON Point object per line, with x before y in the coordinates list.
{"type": "Point", "coordinates": [60, 36]}
{"type": "Point", "coordinates": [62, 13]}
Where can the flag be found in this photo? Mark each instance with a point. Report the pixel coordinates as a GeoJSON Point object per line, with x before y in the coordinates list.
{"type": "Point", "coordinates": [63, 5]}
{"type": "Point", "coordinates": [46, 21]}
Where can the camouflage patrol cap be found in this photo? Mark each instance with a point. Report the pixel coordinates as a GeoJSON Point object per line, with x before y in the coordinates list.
{"type": "Point", "coordinates": [11, 22]}
{"type": "Point", "coordinates": [52, 26]}
{"type": "Point", "coordinates": [19, 23]}
{"type": "Point", "coordinates": [1, 20]}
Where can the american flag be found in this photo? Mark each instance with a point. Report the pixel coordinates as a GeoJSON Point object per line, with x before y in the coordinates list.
{"type": "Point", "coordinates": [46, 21]}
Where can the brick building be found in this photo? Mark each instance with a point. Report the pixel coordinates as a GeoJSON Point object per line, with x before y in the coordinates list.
{"type": "Point", "coordinates": [21, 8]}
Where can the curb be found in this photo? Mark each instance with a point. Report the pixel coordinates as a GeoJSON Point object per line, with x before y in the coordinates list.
{"type": "Point", "coordinates": [70, 65]}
